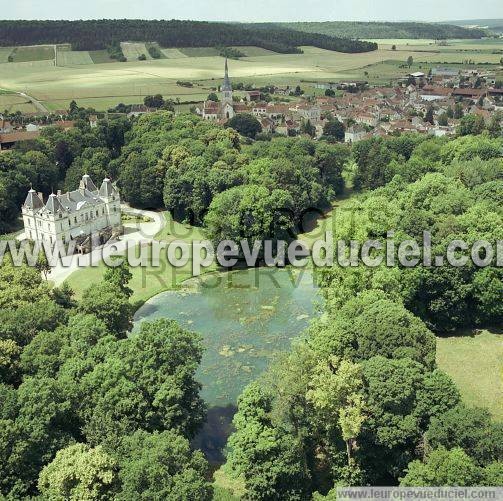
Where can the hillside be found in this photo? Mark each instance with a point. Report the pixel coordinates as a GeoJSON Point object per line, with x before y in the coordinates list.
{"type": "Point", "coordinates": [494, 25]}
{"type": "Point", "coordinates": [99, 34]}
{"type": "Point", "coordinates": [385, 30]}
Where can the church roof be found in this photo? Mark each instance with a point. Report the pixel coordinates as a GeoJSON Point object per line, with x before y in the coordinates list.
{"type": "Point", "coordinates": [33, 201]}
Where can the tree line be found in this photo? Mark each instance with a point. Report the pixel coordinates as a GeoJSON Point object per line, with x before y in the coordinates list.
{"type": "Point", "coordinates": [351, 29]}
{"type": "Point", "coordinates": [101, 34]}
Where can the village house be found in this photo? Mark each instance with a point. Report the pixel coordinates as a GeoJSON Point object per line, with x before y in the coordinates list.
{"type": "Point", "coordinates": [5, 127]}
{"type": "Point", "coordinates": [354, 134]}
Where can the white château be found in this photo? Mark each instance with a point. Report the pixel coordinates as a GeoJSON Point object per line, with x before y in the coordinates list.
{"type": "Point", "coordinates": [75, 215]}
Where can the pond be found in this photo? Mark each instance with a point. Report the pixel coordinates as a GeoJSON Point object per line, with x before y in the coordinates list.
{"type": "Point", "coordinates": [245, 317]}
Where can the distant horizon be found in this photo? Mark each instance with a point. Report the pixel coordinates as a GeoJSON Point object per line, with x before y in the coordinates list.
{"type": "Point", "coordinates": [447, 21]}
{"type": "Point", "coordinates": [429, 11]}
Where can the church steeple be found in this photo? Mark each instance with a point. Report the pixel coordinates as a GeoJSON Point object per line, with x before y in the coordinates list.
{"type": "Point", "coordinates": [227, 83]}
{"type": "Point", "coordinates": [226, 88]}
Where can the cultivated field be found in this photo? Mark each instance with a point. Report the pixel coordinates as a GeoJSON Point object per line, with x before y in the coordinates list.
{"type": "Point", "coordinates": [173, 53]}
{"type": "Point", "coordinates": [12, 102]}
{"type": "Point", "coordinates": [5, 52]}
{"type": "Point", "coordinates": [77, 76]}
{"type": "Point", "coordinates": [33, 53]}
{"type": "Point", "coordinates": [475, 363]}
{"type": "Point", "coordinates": [133, 50]}
{"type": "Point", "coordinates": [73, 57]}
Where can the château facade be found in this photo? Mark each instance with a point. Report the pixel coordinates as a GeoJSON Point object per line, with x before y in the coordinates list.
{"type": "Point", "coordinates": [75, 215]}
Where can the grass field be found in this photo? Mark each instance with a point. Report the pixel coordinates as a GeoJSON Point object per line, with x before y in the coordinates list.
{"type": "Point", "coordinates": [475, 363]}
{"type": "Point", "coordinates": [132, 50]}
{"type": "Point", "coordinates": [12, 102]}
{"type": "Point", "coordinates": [100, 56]}
{"type": "Point", "coordinates": [173, 53]}
{"type": "Point", "coordinates": [73, 57]}
{"type": "Point", "coordinates": [156, 46]}
{"type": "Point", "coordinates": [5, 52]}
{"type": "Point", "coordinates": [252, 51]}
{"type": "Point", "coordinates": [200, 51]}
{"type": "Point", "coordinates": [108, 83]}
{"type": "Point", "coordinates": [33, 53]}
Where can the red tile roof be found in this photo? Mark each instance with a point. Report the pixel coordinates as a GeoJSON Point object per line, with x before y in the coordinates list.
{"type": "Point", "coordinates": [14, 137]}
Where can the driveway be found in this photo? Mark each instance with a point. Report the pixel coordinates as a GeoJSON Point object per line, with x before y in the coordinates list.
{"type": "Point", "coordinates": [133, 232]}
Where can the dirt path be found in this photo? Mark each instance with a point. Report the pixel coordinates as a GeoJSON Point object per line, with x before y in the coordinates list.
{"type": "Point", "coordinates": [40, 107]}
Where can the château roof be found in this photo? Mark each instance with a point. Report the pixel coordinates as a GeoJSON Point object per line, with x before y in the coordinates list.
{"type": "Point", "coordinates": [87, 183]}
{"type": "Point", "coordinates": [107, 189]}
{"type": "Point", "coordinates": [53, 204]}
{"type": "Point", "coordinates": [73, 201]}
{"type": "Point", "coordinates": [33, 201]}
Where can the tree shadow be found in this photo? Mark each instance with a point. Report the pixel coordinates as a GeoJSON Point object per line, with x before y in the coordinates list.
{"type": "Point", "coordinates": [212, 439]}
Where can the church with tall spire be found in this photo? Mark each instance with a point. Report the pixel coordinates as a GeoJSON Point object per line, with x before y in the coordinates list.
{"type": "Point", "coordinates": [223, 110]}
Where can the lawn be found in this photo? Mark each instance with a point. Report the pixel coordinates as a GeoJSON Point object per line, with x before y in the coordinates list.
{"type": "Point", "coordinates": [475, 363]}
{"type": "Point", "coordinates": [174, 230]}
{"type": "Point", "coordinates": [147, 281]}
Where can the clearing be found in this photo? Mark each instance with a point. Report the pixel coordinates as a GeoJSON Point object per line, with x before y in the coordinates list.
{"type": "Point", "coordinates": [474, 360]}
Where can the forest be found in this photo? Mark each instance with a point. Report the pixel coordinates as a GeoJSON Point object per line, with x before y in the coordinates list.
{"type": "Point", "coordinates": [87, 412]}
{"type": "Point", "coordinates": [100, 34]}
{"type": "Point", "coordinates": [353, 30]}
